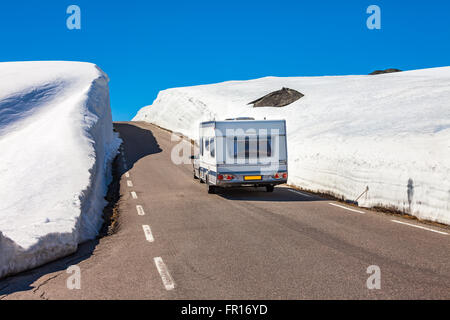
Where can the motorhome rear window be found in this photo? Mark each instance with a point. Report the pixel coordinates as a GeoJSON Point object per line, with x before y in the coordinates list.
{"type": "Point", "coordinates": [264, 146]}
{"type": "Point", "coordinates": [252, 147]}
{"type": "Point", "coordinates": [268, 143]}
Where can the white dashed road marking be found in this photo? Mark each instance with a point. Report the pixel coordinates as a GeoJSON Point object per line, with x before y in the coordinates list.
{"type": "Point", "coordinates": [134, 195]}
{"type": "Point", "coordinates": [349, 209]}
{"type": "Point", "coordinates": [127, 174]}
{"type": "Point", "coordinates": [148, 233]}
{"type": "Point", "coordinates": [420, 227]}
{"type": "Point", "coordinates": [140, 210]}
{"type": "Point", "coordinates": [129, 183]}
{"type": "Point", "coordinates": [164, 273]}
{"type": "Point", "coordinates": [300, 193]}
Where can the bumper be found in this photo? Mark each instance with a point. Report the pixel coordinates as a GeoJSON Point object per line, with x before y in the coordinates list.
{"type": "Point", "coordinates": [239, 181]}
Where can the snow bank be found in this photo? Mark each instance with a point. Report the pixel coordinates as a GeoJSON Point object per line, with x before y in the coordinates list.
{"type": "Point", "coordinates": [57, 145]}
{"type": "Point", "coordinates": [390, 133]}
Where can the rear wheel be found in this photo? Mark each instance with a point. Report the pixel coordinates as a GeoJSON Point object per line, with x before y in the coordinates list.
{"type": "Point", "coordinates": [270, 188]}
{"type": "Point", "coordinates": [211, 189]}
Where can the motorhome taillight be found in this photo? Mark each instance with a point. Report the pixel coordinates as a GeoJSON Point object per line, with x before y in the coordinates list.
{"type": "Point", "coordinates": [219, 177]}
{"type": "Point", "coordinates": [280, 175]}
{"type": "Point", "coordinates": [228, 177]}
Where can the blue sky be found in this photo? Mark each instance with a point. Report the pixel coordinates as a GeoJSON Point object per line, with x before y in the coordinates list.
{"type": "Point", "coordinates": [148, 46]}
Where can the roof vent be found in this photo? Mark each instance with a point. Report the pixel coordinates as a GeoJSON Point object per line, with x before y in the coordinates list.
{"type": "Point", "coordinates": [240, 118]}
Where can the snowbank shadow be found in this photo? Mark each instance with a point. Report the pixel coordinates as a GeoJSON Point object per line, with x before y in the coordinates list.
{"type": "Point", "coordinates": [135, 151]}
{"type": "Point", "coordinates": [280, 194]}
{"type": "Point", "coordinates": [24, 281]}
{"type": "Point", "coordinates": [21, 105]}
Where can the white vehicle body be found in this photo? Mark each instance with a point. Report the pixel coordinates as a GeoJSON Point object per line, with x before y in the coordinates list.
{"type": "Point", "coordinates": [242, 153]}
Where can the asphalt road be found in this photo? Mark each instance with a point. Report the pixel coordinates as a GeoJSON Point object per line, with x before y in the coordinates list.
{"type": "Point", "coordinates": [238, 244]}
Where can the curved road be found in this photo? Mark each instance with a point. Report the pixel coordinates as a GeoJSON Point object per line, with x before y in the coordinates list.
{"type": "Point", "coordinates": [238, 244]}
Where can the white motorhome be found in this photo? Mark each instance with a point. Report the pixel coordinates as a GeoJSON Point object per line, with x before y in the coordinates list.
{"type": "Point", "coordinates": [242, 152]}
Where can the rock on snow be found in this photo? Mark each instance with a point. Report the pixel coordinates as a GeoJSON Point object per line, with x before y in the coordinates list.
{"type": "Point", "coordinates": [57, 145]}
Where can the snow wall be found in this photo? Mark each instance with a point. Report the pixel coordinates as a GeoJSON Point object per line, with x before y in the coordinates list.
{"type": "Point", "coordinates": [389, 133]}
{"type": "Point", "coordinates": [57, 145]}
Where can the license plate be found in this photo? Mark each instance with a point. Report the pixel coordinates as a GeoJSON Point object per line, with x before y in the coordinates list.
{"type": "Point", "coordinates": [247, 178]}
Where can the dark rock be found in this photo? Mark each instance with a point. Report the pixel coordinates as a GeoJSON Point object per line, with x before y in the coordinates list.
{"type": "Point", "coordinates": [391, 70]}
{"type": "Point", "coordinates": [278, 98]}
